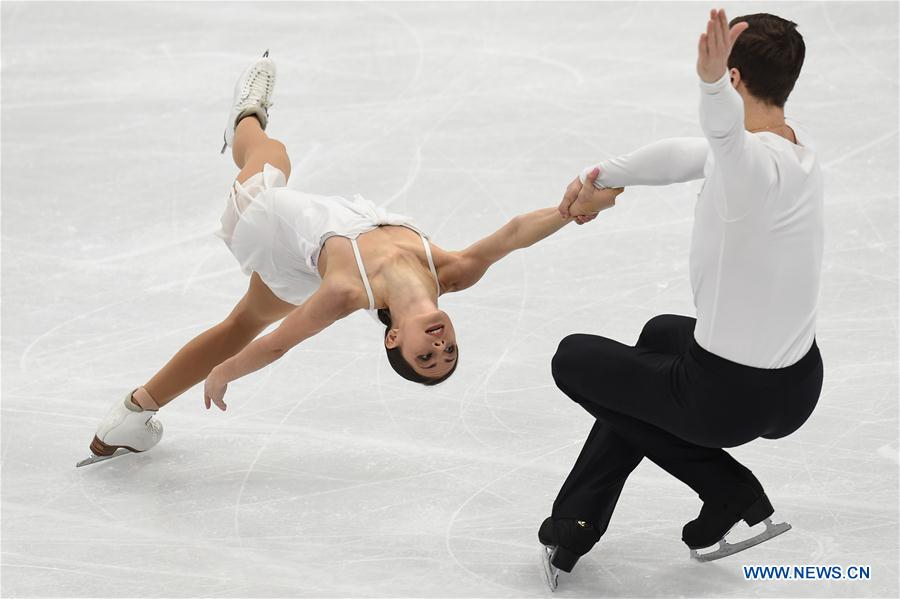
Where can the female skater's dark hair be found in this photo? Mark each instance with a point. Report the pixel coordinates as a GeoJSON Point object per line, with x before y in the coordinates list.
{"type": "Point", "coordinates": [400, 365]}
{"type": "Point", "coordinates": [769, 55]}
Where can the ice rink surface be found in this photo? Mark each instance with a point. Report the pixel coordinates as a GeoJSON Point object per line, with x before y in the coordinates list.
{"type": "Point", "coordinates": [329, 476]}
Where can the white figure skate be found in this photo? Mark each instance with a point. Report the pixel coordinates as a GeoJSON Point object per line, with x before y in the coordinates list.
{"type": "Point", "coordinates": [252, 96]}
{"type": "Point", "coordinates": [127, 428]}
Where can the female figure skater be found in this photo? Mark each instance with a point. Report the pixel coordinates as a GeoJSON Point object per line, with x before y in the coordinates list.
{"type": "Point", "coordinates": [313, 260]}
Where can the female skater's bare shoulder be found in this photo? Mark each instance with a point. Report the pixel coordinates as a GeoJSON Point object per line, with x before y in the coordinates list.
{"type": "Point", "coordinates": [345, 294]}
{"type": "Point", "coordinates": [457, 270]}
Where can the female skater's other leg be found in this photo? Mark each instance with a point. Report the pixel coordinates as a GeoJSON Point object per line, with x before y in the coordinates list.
{"type": "Point", "coordinates": [257, 309]}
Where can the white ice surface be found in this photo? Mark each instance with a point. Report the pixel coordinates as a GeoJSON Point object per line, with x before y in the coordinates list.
{"type": "Point", "coordinates": [328, 475]}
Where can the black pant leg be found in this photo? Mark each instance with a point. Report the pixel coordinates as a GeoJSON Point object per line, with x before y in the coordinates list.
{"type": "Point", "coordinates": [634, 390]}
{"type": "Point", "coordinates": [593, 486]}
{"type": "Point", "coordinates": [710, 472]}
{"type": "Point", "coordinates": [595, 482]}
{"type": "Point", "coordinates": [668, 334]}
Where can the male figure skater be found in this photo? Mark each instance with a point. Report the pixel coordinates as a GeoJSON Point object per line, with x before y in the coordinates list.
{"type": "Point", "coordinates": [748, 365]}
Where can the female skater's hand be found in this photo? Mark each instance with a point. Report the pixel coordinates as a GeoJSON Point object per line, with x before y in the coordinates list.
{"type": "Point", "coordinates": [569, 197]}
{"type": "Point", "coordinates": [214, 389]}
{"type": "Point", "coordinates": [715, 46]}
{"type": "Point", "coordinates": [590, 200]}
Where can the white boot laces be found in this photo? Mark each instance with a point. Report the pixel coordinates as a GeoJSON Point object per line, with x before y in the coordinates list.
{"type": "Point", "coordinates": [257, 89]}
{"type": "Point", "coordinates": [154, 426]}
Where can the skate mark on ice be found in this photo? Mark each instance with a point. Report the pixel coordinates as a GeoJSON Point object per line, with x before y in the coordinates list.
{"type": "Point", "coordinates": [268, 437]}
{"type": "Point", "coordinates": [455, 515]}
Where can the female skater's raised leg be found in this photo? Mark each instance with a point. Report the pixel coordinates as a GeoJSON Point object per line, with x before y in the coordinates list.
{"type": "Point", "coordinates": [253, 148]}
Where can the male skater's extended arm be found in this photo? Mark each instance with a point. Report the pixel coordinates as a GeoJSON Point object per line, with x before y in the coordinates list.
{"type": "Point", "coordinates": [663, 162]}
{"type": "Point", "coordinates": [673, 160]}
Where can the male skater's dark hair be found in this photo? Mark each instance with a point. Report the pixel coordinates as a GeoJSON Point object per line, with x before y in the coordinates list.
{"type": "Point", "coordinates": [769, 55]}
{"type": "Point", "coordinates": [401, 366]}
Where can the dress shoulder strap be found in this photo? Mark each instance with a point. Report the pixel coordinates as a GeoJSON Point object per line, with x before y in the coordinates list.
{"type": "Point", "coordinates": [427, 245]}
{"type": "Point", "coordinates": [362, 273]}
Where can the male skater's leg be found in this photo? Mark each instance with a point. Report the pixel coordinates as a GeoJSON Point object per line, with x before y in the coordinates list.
{"type": "Point", "coordinates": [619, 374]}
{"type": "Point", "coordinates": [710, 471]}
{"type": "Point", "coordinates": [642, 393]}
{"type": "Point", "coordinates": [593, 486]}
{"type": "Point", "coordinates": [585, 503]}
{"type": "Point", "coordinates": [670, 408]}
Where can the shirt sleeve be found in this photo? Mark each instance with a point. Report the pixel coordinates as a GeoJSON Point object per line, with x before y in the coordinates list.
{"type": "Point", "coordinates": [747, 166]}
{"type": "Point", "coordinates": [667, 161]}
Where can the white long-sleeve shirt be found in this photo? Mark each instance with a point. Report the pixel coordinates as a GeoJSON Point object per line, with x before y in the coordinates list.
{"type": "Point", "coordinates": [756, 249]}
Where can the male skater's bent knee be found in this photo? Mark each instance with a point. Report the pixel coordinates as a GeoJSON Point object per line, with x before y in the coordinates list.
{"type": "Point", "coordinates": [570, 357]}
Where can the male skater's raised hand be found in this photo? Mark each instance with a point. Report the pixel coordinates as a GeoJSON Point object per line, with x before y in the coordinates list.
{"type": "Point", "coordinates": [715, 46]}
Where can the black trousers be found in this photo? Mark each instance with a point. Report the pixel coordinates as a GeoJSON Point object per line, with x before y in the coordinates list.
{"type": "Point", "coordinates": [672, 401]}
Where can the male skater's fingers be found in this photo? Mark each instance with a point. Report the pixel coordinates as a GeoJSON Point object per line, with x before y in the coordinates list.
{"type": "Point", "coordinates": [737, 30]}
{"type": "Point", "coordinates": [726, 34]}
{"type": "Point", "coordinates": [721, 33]}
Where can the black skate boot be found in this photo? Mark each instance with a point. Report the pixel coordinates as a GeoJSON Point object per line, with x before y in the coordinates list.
{"type": "Point", "coordinates": [717, 517]}
{"type": "Point", "coordinates": [565, 540]}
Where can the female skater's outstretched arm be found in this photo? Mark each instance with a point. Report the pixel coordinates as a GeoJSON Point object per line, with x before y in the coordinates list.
{"type": "Point", "coordinates": [520, 232]}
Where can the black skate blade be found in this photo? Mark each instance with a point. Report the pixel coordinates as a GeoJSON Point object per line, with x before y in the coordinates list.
{"type": "Point", "coordinates": [551, 572]}
{"type": "Point", "coordinates": [725, 548]}
{"type": "Point", "coordinates": [93, 459]}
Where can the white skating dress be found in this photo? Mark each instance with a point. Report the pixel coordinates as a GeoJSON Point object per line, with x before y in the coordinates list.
{"type": "Point", "coordinates": [278, 232]}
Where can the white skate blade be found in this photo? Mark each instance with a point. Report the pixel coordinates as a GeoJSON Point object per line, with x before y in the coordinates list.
{"type": "Point", "coordinates": [93, 459]}
{"type": "Point", "coordinates": [551, 572]}
{"type": "Point", "coordinates": [725, 548]}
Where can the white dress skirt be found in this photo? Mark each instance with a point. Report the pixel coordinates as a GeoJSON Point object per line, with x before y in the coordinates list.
{"type": "Point", "coordinates": [278, 232]}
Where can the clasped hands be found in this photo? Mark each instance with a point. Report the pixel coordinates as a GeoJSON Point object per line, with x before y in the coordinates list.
{"type": "Point", "coordinates": [583, 202]}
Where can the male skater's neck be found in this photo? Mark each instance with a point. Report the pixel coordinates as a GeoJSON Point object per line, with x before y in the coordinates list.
{"type": "Point", "coordinates": [759, 116]}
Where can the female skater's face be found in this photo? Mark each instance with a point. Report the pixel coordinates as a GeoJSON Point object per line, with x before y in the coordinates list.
{"type": "Point", "coordinates": [427, 342]}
